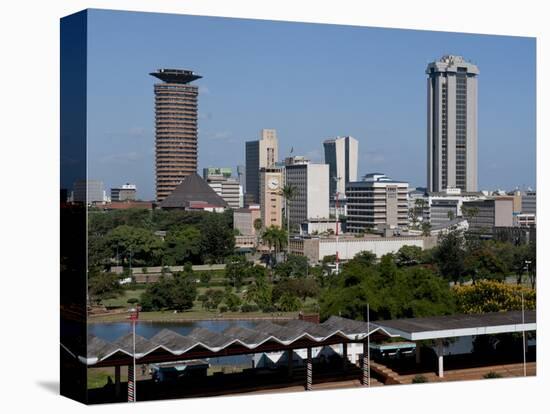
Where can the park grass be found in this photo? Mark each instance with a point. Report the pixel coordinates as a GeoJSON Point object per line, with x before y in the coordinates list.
{"type": "Point", "coordinates": [192, 315]}
{"type": "Point", "coordinates": [97, 377]}
{"type": "Point", "coordinates": [121, 301]}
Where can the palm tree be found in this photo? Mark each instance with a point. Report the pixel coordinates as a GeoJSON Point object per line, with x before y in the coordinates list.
{"type": "Point", "coordinates": [289, 192]}
{"type": "Point", "coordinates": [258, 226]}
{"type": "Point", "coordinates": [276, 238]}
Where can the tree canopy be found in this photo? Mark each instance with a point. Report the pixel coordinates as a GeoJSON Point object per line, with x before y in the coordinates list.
{"type": "Point", "coordinates": [390, 291]}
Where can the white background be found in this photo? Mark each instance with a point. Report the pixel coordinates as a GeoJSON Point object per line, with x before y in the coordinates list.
{"type": "Point", "coordinates": [29, 156]}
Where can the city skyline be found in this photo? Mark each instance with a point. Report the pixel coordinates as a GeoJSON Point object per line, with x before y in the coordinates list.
{"type": "Point", "coordinates": [379, 97]}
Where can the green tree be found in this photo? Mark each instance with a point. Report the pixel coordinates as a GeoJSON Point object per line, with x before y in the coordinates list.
{"type": "Point", "coordinates": [181, 244]}
{"type": "Point", "coordinates": [134, 244]}
{"type": "Point", "coordinates": [365, 257]}
{"type": "Point", "coordinates": [276, 239]}
{"type": "Point", "coordinates": [257, 227]}
{"type": "Point", "coordinates": [260, 292]}
{"type": "Point", "coordinates": [483, 263]}
{"type": "Point", "coordinates": [295, 266]}
{"type": "Point", "coordinates": [236, 270]}
{"type": "Point", "coordinates": [409, 255]}
{"type": "Point", "coordinates": [450, 254]}
{"type": "Point", "coordinates": [531, 263]}
{"type": "Point", "coordinates": [211, 299]}
{"type": "Point", "coordinates": [301, 288]}
{"type": "Point", "coordinates": [390, 291]}
{"type": "Point", "coordinates": [289, 193]}
{"type": "Point", "coordinates": [426, 228]}
{"type": "Point", "coordinates": [177, 292]}
{"type": "Point", "coordinates": [289, 303]}
{"type": "Point", "coordinates": [232, 301]}
{"type": "Point", "coordinates": [183, 292]}
{"type": "Point", "coordinates": [217, 239]}
{"type": "Point", "coordinates": [103, 285]}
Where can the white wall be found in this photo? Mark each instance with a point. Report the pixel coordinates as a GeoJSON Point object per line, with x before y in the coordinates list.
{"type": "Point", "coordinates": [347, 249]}
{"type": "Point", "coordinates": [317, 191]}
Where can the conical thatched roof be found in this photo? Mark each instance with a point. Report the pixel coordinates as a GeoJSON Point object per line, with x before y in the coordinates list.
{"type": "Point", "coordinates": [193, 190]}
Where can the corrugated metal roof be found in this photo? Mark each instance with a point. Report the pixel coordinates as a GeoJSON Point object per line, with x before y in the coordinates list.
{"type": "Point", "coordinates": [285, 333]}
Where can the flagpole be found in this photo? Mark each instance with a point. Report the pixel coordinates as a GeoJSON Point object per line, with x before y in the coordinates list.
{"type": "Point", "coordinates": [134, 356]}
{"type": "Point", "coordinates": [368, 345]}
{"type": "Point", "coordinates": [523, 335]}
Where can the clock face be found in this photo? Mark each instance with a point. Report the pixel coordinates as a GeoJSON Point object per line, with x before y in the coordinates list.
{"type": "Point", "coordinates": [273, 183]}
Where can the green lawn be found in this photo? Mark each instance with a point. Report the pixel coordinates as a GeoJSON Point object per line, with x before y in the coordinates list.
{"type": "Point", "coordinates": [189, 315]}
{"type": "Point", "coordinates": [121, 301]}
{"type": "Point", "coordinates": [197, 312]}
{"type": "Point", "coordinates": [97, 377]}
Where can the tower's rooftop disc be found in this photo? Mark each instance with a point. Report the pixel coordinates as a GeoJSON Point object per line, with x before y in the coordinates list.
{"type": "Point", "coordinates": [452, 64]}
{"type": "Point", "coordinates": [175, 75]}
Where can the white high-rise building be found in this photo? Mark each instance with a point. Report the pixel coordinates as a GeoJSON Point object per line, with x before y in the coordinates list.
{"type": "Point", "coordinates": [452, 124]}
{"type": "Point", "coordinates": [312, 188]}
{"type": "Point", "coordinates": [341, 156]}
{"type": "Point", "coordinates": [263, 153]}
{"type": "Point", "coordinates": [377, 202]}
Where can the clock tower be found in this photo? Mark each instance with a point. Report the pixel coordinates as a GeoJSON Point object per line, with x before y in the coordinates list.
{"type": "Point", "coordinates": [271, 185]}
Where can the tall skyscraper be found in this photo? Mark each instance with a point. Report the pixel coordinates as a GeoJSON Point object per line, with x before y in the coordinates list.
{"type": "Point", "coordinates": [341, 156]}
{"type": "Point", "coordinates": [452, 124]}
{"type": "Point", "coordinates": [175, 128]}
{"type": "Point", "coordinates": [263, 153]}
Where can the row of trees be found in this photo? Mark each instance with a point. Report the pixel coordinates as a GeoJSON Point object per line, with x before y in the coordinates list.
{"type": "Point", "coordinates": [401, 287]}
{"type": "Point", "coordinates": [130, 238]}
{"type": "Point", "coordinates": [459, 258]}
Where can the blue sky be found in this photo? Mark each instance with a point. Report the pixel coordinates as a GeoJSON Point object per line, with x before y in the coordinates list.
{"type": "Point", "coordinates": [308, 81]}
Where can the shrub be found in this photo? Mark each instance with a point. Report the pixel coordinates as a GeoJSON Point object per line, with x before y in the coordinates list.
{"type": "Point", "coordinates": [249, 307]}
{"type": "Point", "coordinates": [419, 379]}
{"type": "Point", "coordinates": [132, 301]}
{"type": "Point", "coordinates": [223, 309]}
{"type": "Point", "coordinates": [492, 374]}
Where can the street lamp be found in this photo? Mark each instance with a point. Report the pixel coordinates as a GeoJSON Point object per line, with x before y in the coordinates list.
{"type": "Point", "coordinates": [134, 315]}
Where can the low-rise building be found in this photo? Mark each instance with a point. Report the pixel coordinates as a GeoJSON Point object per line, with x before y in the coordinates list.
{"type": "Point", "coordinates": [443, 210]}
{"type": "Point", "coordinates": [316, 248]}
{"type": "Point", "coordinates": [529, 202]}
{"type": "Point", "coordinates": [244, 218]}
{"type": "Point", "coordinates": [484, 215]}
{"type": "Point", "coordinates": [126, 192]}
{"type": "Point", "coordinates": [525, 220]}
{"type": "Point", "coordinates": [224, 185]}
{"type": "Point", "coordinates": [450, 200]}
{"type": "Point", "coordinates": [320, 226]}
{"type": "Point", "coordinates": [376, 201]}
{"type": "Point", "coordinates": [89, 192]}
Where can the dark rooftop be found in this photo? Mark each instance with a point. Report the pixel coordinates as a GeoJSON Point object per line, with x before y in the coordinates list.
{"type": "Point", "coordinates": [192, 189]}
{"type": "Point", "coordinates": [175, 75]}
